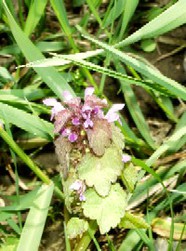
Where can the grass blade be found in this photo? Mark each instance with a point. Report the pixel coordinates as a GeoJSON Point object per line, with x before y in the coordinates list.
{"type": "Point", "coordinates": [30, 123]}
{"type": "Point", "coordinates": [159, 25]}
{"type": "Point", "coordinates": [166, 83]}
{"type": "Point", "coordinates": [135, 110]}
{"type": "Point", "coordinates": [173, 140]}
{"type": "Point", "coordinates": [129, 10]}
{"type": "Point", "coordinates": [114, 12]}
{"type": "Point", "coordinates": [60, 11]}
{"type": "Point", "coordinates": [50, 76]}
{"type": "Point", "coordinates": [34, 225]}
{"type": "Point", "coordinates": [58, 60]}
{"type": "Point", "coordinates": [36, 10]}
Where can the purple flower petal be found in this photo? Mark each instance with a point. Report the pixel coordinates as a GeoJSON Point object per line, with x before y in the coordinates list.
{"type": "Point", "coordinates": [82, 197]}
{"type": "Point", "coordinates": [112, 115]}
{"type": "Point", "coordinates": [76, 121]}
{"type": "Point", "coordinates": [72, 137]}
{"type": "Point", "coordinates": [126, 158]}
{"type": "Point", "coordinates": [89, 91]}
{"type": "Point", "coordinates": [86, 108]}
{"type": "Point", "coordinates": [66, 132]}
{"type": "Point", "coordinates": [76, 185]}
{"type": "Point", "coordinates": [80, 188]}
{"type": "Point", "coordinates": [88, 123]}
{"type": "Point", "coordinates": [67, 96]}
{"type": "Point", "coordinates": [57, 106]}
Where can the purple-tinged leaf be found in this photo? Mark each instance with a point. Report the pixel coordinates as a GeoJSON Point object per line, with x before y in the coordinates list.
{"type": "Point", "coordinates": [99, 136]}
{"type": "Point", "coordinates": [60, 119]}
{"type": "Point", "coordinates": [63, 148]}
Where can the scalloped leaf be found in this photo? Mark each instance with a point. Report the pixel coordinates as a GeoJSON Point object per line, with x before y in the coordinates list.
{"type": "Point", "coordinates": [99, 136]}
{"type": "Point", "coordinates": [132, 221]}
{"type": "Point", "coordinates": [100, 172]}
{"type": "Point", "coordinates": [107, 211]}
{"type": "Point", "coordinates": [117, 137]}
{"type": "Point", "coordinates": [76, 227]}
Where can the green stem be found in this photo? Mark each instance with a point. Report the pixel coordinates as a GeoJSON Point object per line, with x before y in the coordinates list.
{"type": "Point", "coordinates": [86, 239]}
{"type": "Point", "coordinates": [23, 156]}
{"type": "Point", "coordinates": [28, 161]}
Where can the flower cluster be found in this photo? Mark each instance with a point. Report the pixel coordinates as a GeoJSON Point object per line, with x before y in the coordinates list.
{"type": "Point", "coordinates": [82, 126]}
{"type": "Point", "coordinates": [74, 115]}
{"type": "Point", "coordinates": [80, 188]}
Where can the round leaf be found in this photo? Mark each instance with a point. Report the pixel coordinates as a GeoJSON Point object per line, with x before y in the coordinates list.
{"type": "Point", "coordinates": [100, 172]}
{"type": "Point", "coordinates": [75, 227]}
{"type": "Point", "coordinates": [148, 45]}
{"type": "Point", "coordinates": [106, 211]}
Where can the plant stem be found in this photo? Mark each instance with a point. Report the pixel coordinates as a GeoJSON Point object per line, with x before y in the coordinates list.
{"type": "Point", "coordinates": [23, 156]}
{"type": "Point", "coordinates": [28, 161]}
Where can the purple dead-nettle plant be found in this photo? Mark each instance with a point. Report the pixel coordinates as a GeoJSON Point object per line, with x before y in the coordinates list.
{"type": "Point", "coordinates": [89, 147]}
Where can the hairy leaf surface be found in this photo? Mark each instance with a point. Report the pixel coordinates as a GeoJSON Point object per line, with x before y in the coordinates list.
{"type": "Point", "coordinates": [106, 211]}
{"type": "Point", "coordinates": [101, 172]}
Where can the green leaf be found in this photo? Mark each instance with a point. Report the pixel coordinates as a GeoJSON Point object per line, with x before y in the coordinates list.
{"type": "Point", "coordinates": [50, 75]}
{"type": "Point", "coordinates": [68, 193]}
{"type": "Point", "coordinates": [130, 176]}
{"type": "Point", "coordinates": [30, 123]}
{"type": "Point", "coordinates": [58, 60]}
{"type": "Point", "coordinates": [35, 222]}
{"type": "Point", "coordinates": [25, 202]}
{"type": "Point", "coordinates": [148, 45]}
{"type": "Point", "coordinates": [75, 227]}
{"type": "Point", "coordinates": [5, 76]}
{"type": "Point", "coordinates": [129, 9]}
{"type": "Point", "coordinates": [132, 221]}
{"type": "Point", "coordinates": [59, 9]}
{"type": "Point", "coordinates": [36, 10]}
{"type": "Point", "coordinates": [163, 227]}
{"type": "Point", "coordinates": [134, 108]}
{"type": "Point", "coordinates": [181, 123]}
{"type": "Point", "coordinates": [100, 172]}
{"type": "Point", "coordinates": [99, 136]}
{"type": "Point", "coordinates": [161, 82]}
{"type": "Point", "coordinates": [117, 137]}
{"type": "Point", "coordinates": [174, 139]}
{"type": "Point", "coordinates": [166, 21]}
{"type": "Point", "coordinates": [106, 211]}
{"type": "Point", "coordinates": [10, 244]}
{"type": "Point", "coordinates": [114, 12]}
{"type": "Point", "coordinates": [27, 93]}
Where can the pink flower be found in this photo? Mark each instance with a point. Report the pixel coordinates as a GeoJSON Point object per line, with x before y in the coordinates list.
{"type": "Point", "coordinates": [66, 132]}
{"type": "Point", "coordinates": [67, 96]}
{"type": "Point", "coordinates": [80, 188]}
{"type": "Point", "coordinates": [126, 158]}
{"type": "Point", "coordinates": [76, 121]}
{"type": "Point", "coordinates": [72, 137]}
{"type": "Point", "coordinates": [88, 123]}
{"type": "Point", "coordinates": [89, 91]}
{"type": "Point", "coordinates": [57, 106]}
{"type": "Point", "coordinates": [112, 114]}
